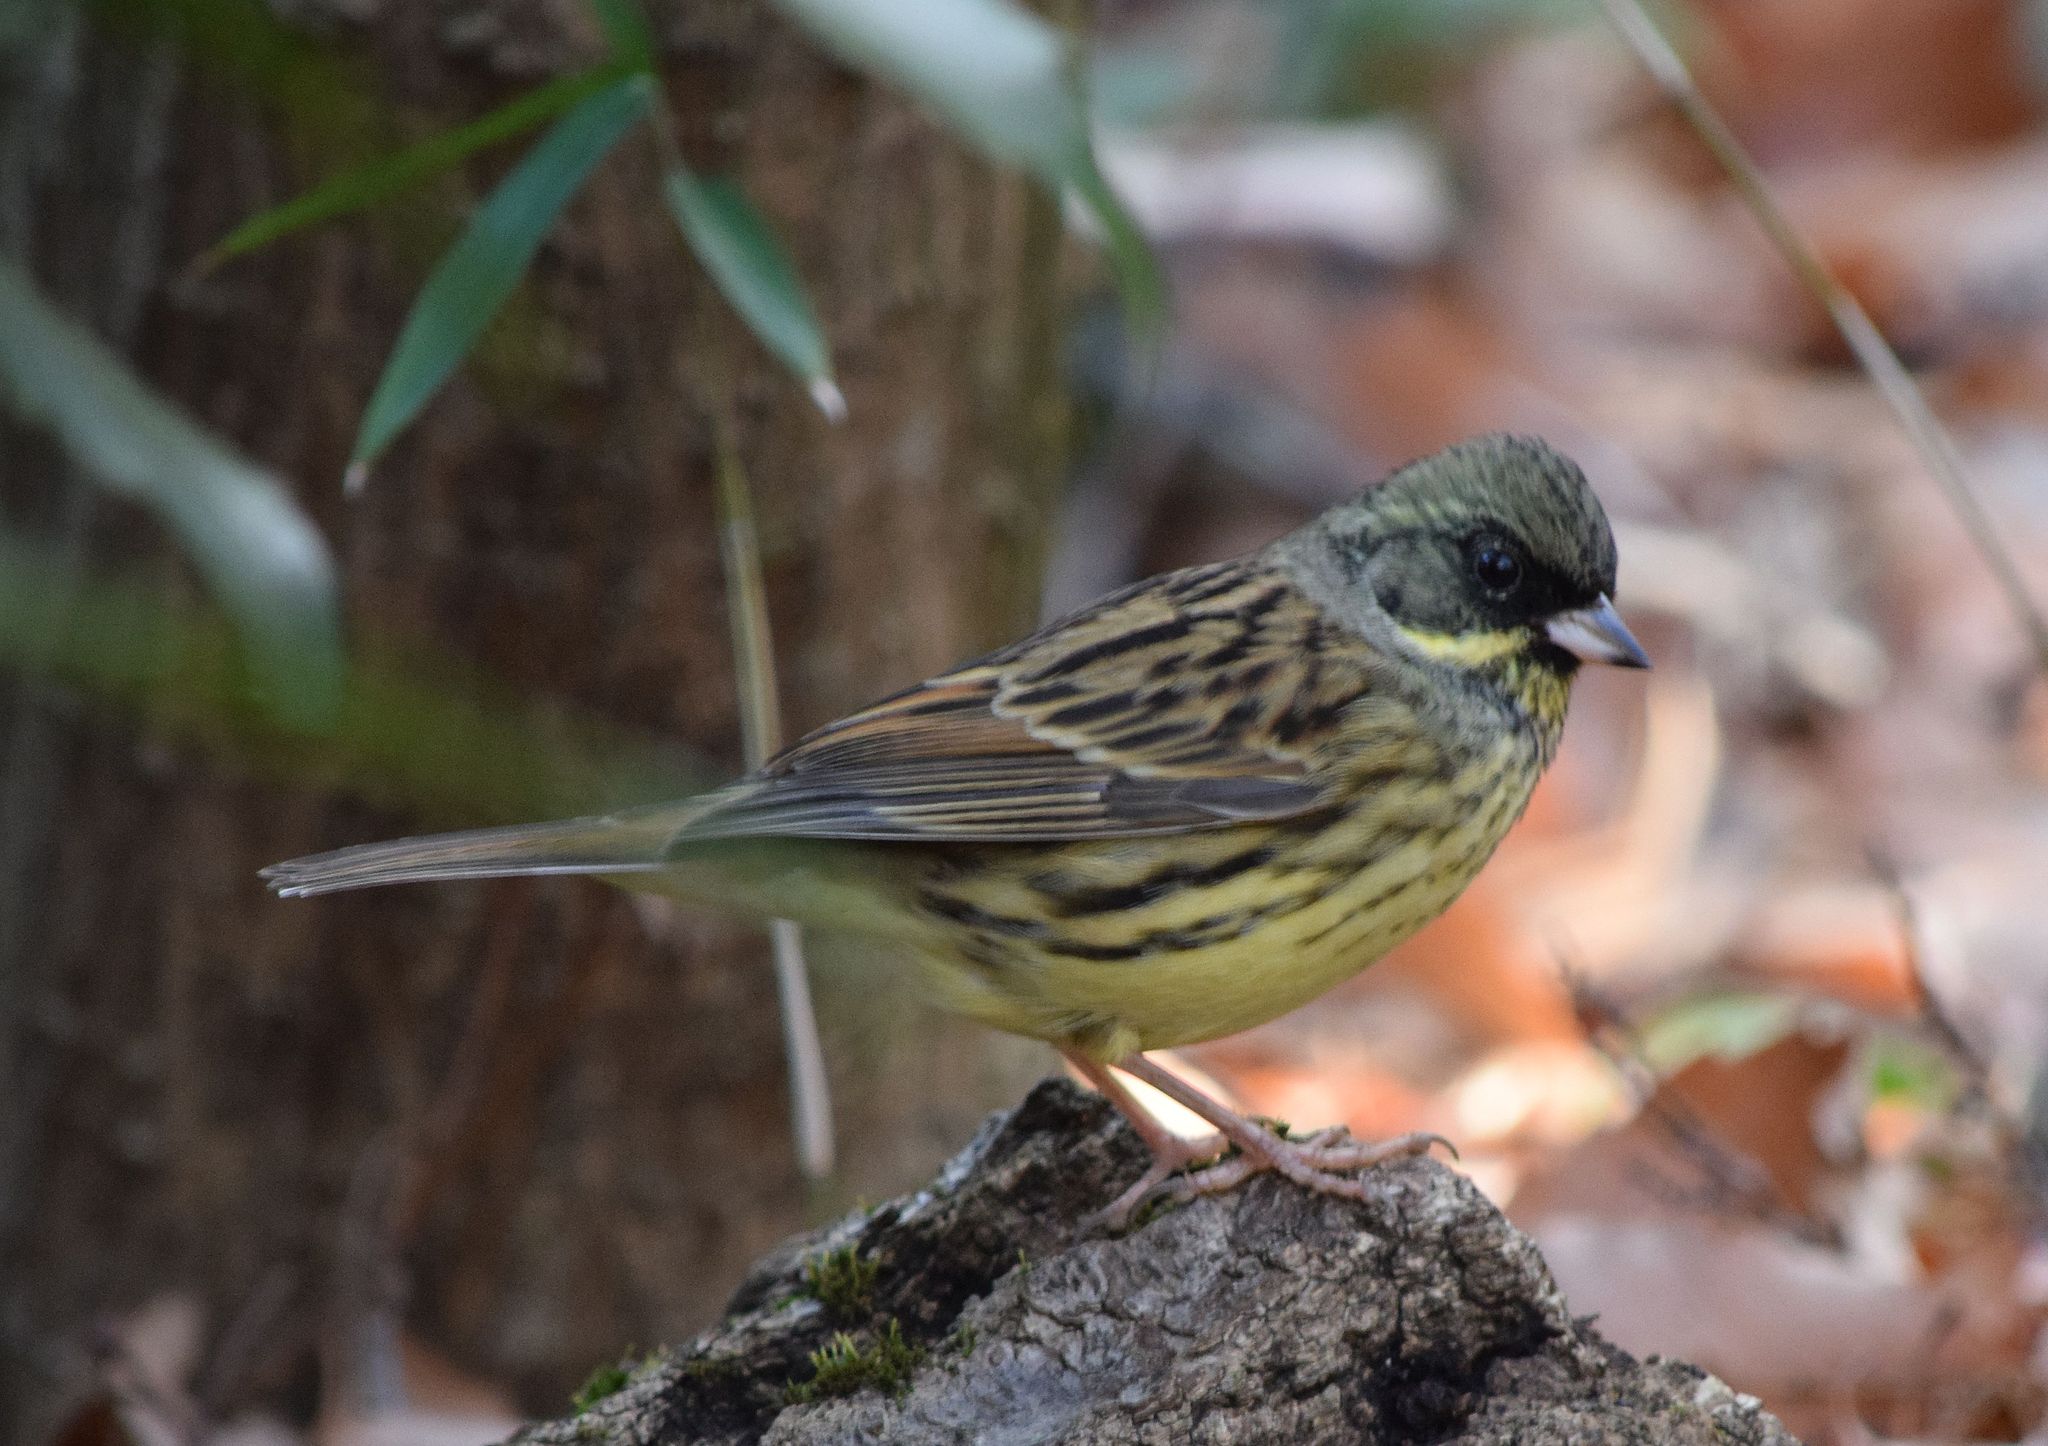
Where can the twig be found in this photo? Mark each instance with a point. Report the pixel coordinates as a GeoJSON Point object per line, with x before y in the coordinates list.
{"type": "Point", "coordinates": [2019, 1137]}
{"type": "Point", "coordinates": [739, 547]}
{"type": "Point", "coordinates": [1937, 448]}
{"type": "Point", "coordinates": [128, 1381]}
{"type": "Point", "coordinates": [1933, 1013]}
{"type": "Point", "coordinates": [269, 1320]}
{"type": "Point", "coordinates": [358, 1348]}
{"type": "Point", "coordinates": [810, 1096]}
{"type": "Point", "coordinates": [1731, 1181]}
{"type": "Point", "coordinates": [443, 1141]}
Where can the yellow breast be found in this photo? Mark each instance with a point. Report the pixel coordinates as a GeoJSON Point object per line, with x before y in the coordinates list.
{"type": "Point", "coordinates": [1119, 945]}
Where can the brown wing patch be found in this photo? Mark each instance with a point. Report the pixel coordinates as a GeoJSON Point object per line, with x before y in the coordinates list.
{"type": "Point", "coordinates": [1194, 700]}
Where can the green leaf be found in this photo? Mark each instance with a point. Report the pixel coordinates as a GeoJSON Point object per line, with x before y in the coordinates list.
{"type": "Point", "coordinates": [1336, 57]}
{"type": "Point", "coordinates": [990, 68]}
{"type": "Point", "coordinates": [258, 552]}
{"type": "Point", "coordinates": [1720, 1026]}
{"type": "Point", "coordinates": [1138, 278]}
{"type": "Point", "coordinates": [625, 26]}
{"type": "Point", "coordinates": [1913, 1072]}
{"type": "Point", "coordinates": [733, 243]}
{"type": "Point", "coordinates": [388, 175]}
{"type": "Point", "coordinates": [1007, 81]}
{"type": "Point", "coordinates": [479, 271]}
{"type": "Point", "coordinates": [417, 729]}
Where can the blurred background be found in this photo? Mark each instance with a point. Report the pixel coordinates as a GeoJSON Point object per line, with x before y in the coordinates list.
{"type": "Point", "coordinates": [1746, 1024]}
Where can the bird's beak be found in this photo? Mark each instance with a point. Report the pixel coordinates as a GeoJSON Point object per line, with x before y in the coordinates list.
{"type": "Point", "coordinates": [1597, 635]}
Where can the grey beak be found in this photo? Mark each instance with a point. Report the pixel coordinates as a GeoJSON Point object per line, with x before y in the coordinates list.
{"type": "Point", "coordinates": [1598, 635]}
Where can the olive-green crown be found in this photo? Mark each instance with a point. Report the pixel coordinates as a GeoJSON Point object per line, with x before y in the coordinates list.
{"type": "Point", "coordinates": [1414, 542]}
{"type": "Point", "coordinates": [1521, 485]}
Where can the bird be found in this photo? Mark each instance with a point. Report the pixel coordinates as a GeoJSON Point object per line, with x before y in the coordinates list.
{"type": "Point", "coordinates": [1177, 813]}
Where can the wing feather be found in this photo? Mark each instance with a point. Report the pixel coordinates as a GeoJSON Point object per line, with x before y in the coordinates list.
{"type": "Point", "coordinates": [1198, 699]}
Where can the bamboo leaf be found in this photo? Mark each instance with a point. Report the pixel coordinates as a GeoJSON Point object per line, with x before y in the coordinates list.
{"type": "Point", "coordinates": [1006, 80]}
{"type": "Point", "coordinates": [625, 27]}
{"type": "Point", "coordinates": [415, 729]}
{"type": "Point", "coordinates": [1139, 279]}
{"type": "Point", "coordinates": [385, 177]}
{"type": "Point", "coordinates": [257, 551]}
{"type": "Point", "coordinates": [990, 68]}
{"type": "Point", "coordinates": [479, 271]}
{"type": "Point", "coordinates": [732, 241]}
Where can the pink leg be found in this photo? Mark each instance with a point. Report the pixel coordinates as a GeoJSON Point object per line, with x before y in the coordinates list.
{"type": "Point", "coordinates": [1170, 1153]}
{"type": "Point", "coordinates": [1320, 1162]}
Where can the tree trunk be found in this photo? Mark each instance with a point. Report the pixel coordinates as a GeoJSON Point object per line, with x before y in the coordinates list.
{"type": "Point", "coordinates": [985, 1308]}
{"type": "Point", "coordinates": [564, 1132]}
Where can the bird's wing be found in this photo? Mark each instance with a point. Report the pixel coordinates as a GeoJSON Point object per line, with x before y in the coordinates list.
{"type": "Point", "coordinates": [1197, 699]}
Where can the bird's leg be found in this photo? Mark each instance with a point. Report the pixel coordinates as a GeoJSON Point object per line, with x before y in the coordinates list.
{"type": "Point", "coordinates": [1317, 1162]}
{"type": "Point", "coordinates": [1170, 1152]}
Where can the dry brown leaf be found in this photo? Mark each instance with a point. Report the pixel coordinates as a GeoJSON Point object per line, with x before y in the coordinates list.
{"type": "Point", "coordinates": [1747, 1302]}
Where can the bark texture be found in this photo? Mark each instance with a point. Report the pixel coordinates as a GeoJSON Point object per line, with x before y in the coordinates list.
{"type": "Point", "coordinates": [510, 1120]}
{"type": "Point", "coordinates": [983, 1308]}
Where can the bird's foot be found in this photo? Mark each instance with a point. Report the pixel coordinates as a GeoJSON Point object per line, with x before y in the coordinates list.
{"type": "Point", "coordinates": [1169, 1158]}
{"type": "Point", "coordinates": [1327, 1161]}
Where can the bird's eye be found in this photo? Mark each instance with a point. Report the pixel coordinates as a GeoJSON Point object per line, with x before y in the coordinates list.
{"type": "Point", "coordinates": [1497, 570]}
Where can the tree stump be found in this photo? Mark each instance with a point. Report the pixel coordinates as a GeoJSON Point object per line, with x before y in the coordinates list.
{"type": "Point", "coordinates": [984, 1308]}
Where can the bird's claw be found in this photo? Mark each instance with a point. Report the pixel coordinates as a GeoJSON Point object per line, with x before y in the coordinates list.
{"type": "Point", "coordinates": [1326, 1162]}
{"type": "Point", "coordinates": [1171, 1154]}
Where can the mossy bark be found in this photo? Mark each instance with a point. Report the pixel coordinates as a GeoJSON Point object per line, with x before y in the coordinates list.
{"type": "Point", "coordinates": [997, 1313]}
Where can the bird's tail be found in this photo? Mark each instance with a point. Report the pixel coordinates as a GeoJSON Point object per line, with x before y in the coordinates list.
{"type": "Point", "coordinates": [635, 841]}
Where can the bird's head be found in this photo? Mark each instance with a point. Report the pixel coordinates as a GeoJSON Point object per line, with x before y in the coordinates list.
{"type": "Point", "coordinates": [1492, 555]}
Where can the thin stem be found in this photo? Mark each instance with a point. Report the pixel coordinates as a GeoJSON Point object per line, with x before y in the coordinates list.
{"type": "Point", "coordinates": [739, 548]}
{"type": "Point", "coordinates": [1865, 341]}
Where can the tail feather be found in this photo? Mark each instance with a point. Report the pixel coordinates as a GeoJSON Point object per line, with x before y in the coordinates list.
{"type": "Point", "coordinates": [637, 841]}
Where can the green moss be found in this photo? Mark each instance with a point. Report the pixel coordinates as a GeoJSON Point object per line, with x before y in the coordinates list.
{"type": "Point", "coordinates": [844, 1365]}
{"type": "Point", "coordinates": [712, 1368]}
{"type": "Point", "coordinates": [610, 1380]}
{"type": "Point", "coordinates": [1152, 1209]}
{"type": "Point", "coordinates": [605, 1381]}
{"type": "Point", "coordinates": [842, 1282]}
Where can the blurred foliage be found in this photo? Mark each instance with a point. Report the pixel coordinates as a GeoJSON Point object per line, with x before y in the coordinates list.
{"type": "Point", "coordinates": [1912, 1071]}
{"type": "Point", "coordinates": [1316, 60]}
{"type": "Point", "coordinates": [479, 271]}
{"type": "Point", "coordinates": [260, 554]}
{"type": "Point", "coordinates": [734, 245]}
{"type": "Point", "coordinates": [625, 28]}
{"type": "Point", "coordinates": [992, 70]}
{"type": "Point", "coordinates": [1899, 1066]}
{"type": "Point", "coordinates": [1348, 57]}
{"type": "Point", "coordinates": [387, 176]}
{"type": "Point", "coordinates": [1716, 1026]}
{"type": "Point", "coordinates": [331, 113]}
{"type": "Point", "coordinates": [408, 728]}
{"type": "Point", "coordinates": [1010, 84]}
{"type": "Point", "coordinates": [1005, 79]}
